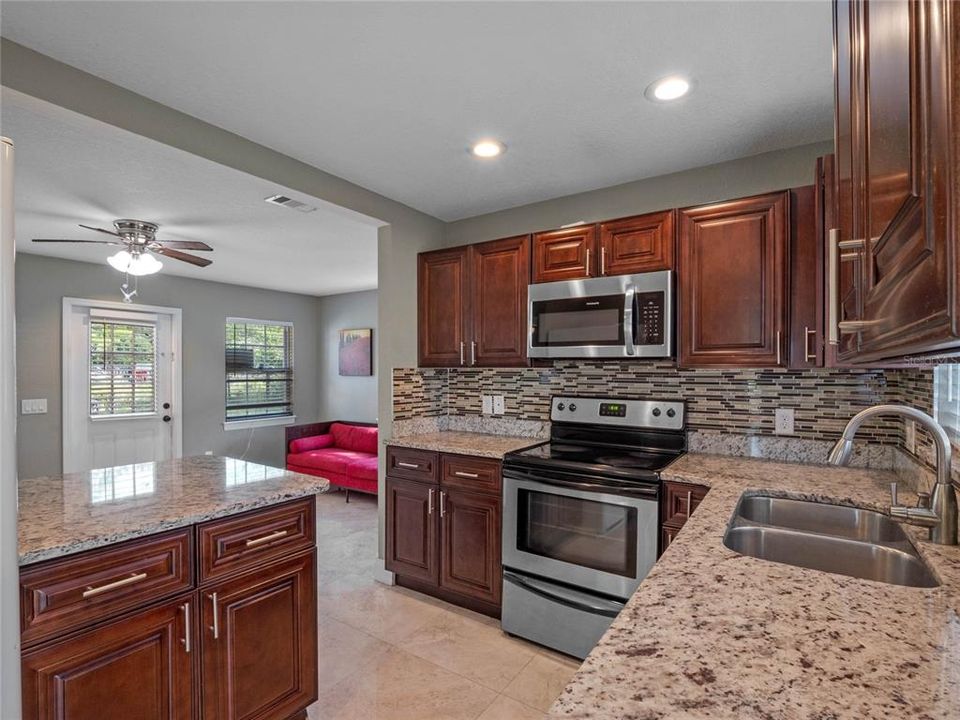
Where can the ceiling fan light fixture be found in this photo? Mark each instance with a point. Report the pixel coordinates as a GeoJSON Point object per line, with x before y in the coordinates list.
{"type": "Point", "coordinates": [140, 264]}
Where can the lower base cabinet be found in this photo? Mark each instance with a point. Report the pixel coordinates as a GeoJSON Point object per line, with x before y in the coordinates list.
{"type": "Point", "coordinates": [679, 500]}
{"type": "Point", "coordinates": [470, 545]}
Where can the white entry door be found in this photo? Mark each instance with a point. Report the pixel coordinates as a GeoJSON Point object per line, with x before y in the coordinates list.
{"type": "Point", "coordinates": [121, 384]}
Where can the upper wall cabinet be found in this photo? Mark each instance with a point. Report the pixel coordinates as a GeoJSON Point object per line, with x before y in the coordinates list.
{"type": "Point", "coordinates": [472, 304]}
{"type": "Point", "coordinates": [733, 276]}
{"type": "Point", "coordinates": [642, 243]}
{"type": "Point", "coordinates": [896, 179]}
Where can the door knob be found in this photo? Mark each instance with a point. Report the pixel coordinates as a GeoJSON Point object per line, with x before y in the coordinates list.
{"type": "Point", "coordinates": [166, 418]}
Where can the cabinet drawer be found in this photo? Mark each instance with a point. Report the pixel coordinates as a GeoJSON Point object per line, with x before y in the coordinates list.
{"type": "Point", "coordinates": [239, 542]}
{"type": "Point", "coordinates": [412, 464]}
{"type": "Point", "coordinates": [680, 500]}
{"type": "Point", "coordinates": [470, 473]}
{"type": "Point", "coordinates": [78, 590]}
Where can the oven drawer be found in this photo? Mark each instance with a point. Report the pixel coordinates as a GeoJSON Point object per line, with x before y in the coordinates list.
{"type": "Point", "coordinates": [77, 590]}
{"type": "Point", "coordinates": [680, 500]}
{"type": "Point", "coordinates": [470, 473]}
{"type": "Point", "coordinates": [412, 464]}
{"type": "Point", "coordinates": [240, 541]}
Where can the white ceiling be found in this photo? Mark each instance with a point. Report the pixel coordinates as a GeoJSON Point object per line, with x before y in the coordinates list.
{"type": "Point", "coordinates": [389, 95]}
{"type": "Point", "coordinates": [72, 169]}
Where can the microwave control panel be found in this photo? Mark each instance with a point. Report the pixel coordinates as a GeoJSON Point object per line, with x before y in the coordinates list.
{"type": "Point", "coordinates": [649, 324]}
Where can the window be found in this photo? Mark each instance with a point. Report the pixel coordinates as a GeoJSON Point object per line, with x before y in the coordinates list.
{"type": "Point", "coordinates": [946, 399]}
{"type": "Point", "coordinates": [259, 365]}
{"type": "Point", "coordinates": [123, 368]}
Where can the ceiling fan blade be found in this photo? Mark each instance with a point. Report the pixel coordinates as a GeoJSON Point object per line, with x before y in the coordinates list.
{"type": "Point", "coordinates": [185, 245]}
{"type": "Point", "coordinates": [177, 255]}
{"type": "Point", "coordinates": [101, 230]}
{"type": "Point", "coordinates": [91, 242]}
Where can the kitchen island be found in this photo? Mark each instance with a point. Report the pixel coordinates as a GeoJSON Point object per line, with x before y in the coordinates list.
{"type": "Point", "coordinates": [714, 634]}
{"type": "Point", "coordinates": [176, 589]}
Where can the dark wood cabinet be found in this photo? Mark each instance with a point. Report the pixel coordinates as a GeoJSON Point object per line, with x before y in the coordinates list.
{"type": "Point", "coordinates": [499, 279]}
{"type": "Point", "coordinates": [805, 338]}
{"type": "Point", "coordinates": [141, 667]}
{"type": "Point", "coordinates": [411, 543]}
{"type": "Point", "coordinates": [896, 159]}
{"type": "Point", "coordinates": [472, 304]}
{"type": "Point", "coordinates": [443, 301]}
{"type": "Point", "coordinates": [733, 266]}
{"type": "Point", "coordinates": [565, 254]}
{"type": "Point", "coordinates": [643, 243]}
{"type": "Point", "coordinates": [678, 502]}
{"type": "Point", "coordinates": [443, 535]}
{"type": "Point", "coordinates": [259, 642]}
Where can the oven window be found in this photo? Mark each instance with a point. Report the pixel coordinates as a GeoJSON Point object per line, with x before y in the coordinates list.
{"type": "Point", "coordinates": [596, 320]}
{"type": "Point", "coordinates": [591, 534]}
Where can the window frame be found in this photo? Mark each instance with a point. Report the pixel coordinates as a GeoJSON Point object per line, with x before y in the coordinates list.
{"type": "Point", "coordinates": [107, 319]}
{"type": "Point", "coordinates": [288, 418]}
{"type": "Point", "coordinates": [947, 417]}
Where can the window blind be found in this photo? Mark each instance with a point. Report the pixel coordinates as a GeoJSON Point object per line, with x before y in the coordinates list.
{"type": "Point", "coordinates": [123, 368]}
{"type": "Point", "coordinates": [259, 369]}
{"type": "Point", "coordinates": [946, 399]}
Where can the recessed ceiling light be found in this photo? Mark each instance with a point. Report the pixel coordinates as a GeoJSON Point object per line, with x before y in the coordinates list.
{"type": "Point", "coordinates": [668, 88]}
{"type": "Point", "coordinates": [488, 148]}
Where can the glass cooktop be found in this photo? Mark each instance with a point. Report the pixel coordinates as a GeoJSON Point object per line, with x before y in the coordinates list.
{"type": "Point", "coordinates": [620, 459]}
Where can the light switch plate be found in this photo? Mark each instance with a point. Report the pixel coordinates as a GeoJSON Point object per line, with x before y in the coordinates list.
{"type": "Point", "coordinates": [35, 406]}
{"type": "Point", "coordinates": [910, 435]}
{"type": "Point", "coordinates": [498, 405]}
{"type": "Point", "coordinates": [487, 404]}
{"type": "Point", "coordinates": [784, 421]}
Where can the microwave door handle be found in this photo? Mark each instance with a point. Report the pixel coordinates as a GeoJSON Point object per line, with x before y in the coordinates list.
{"type": "Point", "coordinates": [628, 320]}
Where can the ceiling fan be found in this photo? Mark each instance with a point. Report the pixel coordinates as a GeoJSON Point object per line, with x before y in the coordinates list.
{"type": "Point", "coordinates": [139, 240]}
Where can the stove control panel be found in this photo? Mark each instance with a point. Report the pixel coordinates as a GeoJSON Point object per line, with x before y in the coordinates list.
{"type": "Point", "coordinates": [652, 414]}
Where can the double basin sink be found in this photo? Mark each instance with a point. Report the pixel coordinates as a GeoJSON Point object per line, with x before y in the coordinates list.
{"type": "Point", "coordinates": [831, 538]}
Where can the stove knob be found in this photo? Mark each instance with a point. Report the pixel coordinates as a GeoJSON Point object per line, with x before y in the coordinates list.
{"type": "Point", "coordinates": [671, 412]}
{"type": "Point", "coordinates": [656, 412]}
{"type": "Point", "coordinates": [560, 406]}
{"type": "Point", "coordinates": [572, 407]}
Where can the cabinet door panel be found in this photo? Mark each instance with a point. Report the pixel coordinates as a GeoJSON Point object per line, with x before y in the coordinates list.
{"type": "Point", "coordinates": [806, 278]}
{"type": "Point", "coordinates": [733, 268]}
{"type": "Point", "coordinates": [470, 545]}
{"type": "Point", "coordinates": [443, 297]}
{"type": "Point", "coordinates": [567, 254]}
{"type": "Point", "coordinates": [412, 529]}
{"type": "Point", "coordinates": [637, 244]}
{"type": "Point", "coordinates": [500, 276]}
{"type": "Point", "coordinates": [137, 668]}
{"type": "Point", "coordinates": [260, 642]}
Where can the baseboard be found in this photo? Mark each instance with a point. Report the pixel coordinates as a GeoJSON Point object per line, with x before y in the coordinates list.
{"type": "Point", "coordinates": [383, 576]}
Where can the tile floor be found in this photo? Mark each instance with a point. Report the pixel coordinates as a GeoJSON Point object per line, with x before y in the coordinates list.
{"type": "Point", "coordinates": [387, 653]}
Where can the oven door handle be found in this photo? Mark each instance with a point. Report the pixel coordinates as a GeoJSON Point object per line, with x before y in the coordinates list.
{"type": "Point", "coordinates": [629, 321]}
{"type": "Point", "coordinates": [638, 492]}
{"type": "Point", "coordinates": [595, 606]}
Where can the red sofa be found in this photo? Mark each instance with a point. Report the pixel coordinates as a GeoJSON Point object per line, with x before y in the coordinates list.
{"type": "Point", "coordinates": [344, 453]}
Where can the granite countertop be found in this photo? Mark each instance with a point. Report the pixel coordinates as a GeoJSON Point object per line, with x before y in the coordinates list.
{"type": "Point", "coordinates": [64, 514]}
{"type": "Point", "coordinates": [465, 443]}
{"type": "Point", "coordinates": [713, 634]}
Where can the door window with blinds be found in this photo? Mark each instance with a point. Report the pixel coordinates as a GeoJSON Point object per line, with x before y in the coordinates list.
{"type": "Point", "coordinates": [123, 368]}
{"type": "Point", "coordinates": [946, 399]}
{"type": "Point", "coordinates": [259, 369]}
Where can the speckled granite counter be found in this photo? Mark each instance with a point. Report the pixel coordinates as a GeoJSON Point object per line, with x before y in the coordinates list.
{"type": "Point", "coordinates": [713, 634]}
{"type": "Point", "coordinates": [64, 514]}
{"type": "Point", "coordinates": [465, 443]}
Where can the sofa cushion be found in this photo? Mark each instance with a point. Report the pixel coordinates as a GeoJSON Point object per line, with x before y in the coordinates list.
{"type": "Point", "coordinates": [329, 459]}
{"type": "Point", "coordinates": [363, 468]}
{"type": "Point", "coordinates": [314, 442]}
{"type": "Point", "coordinates": [355, 437]}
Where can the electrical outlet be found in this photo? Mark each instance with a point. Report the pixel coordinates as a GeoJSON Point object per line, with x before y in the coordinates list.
{"type": "Point", "coordinates": [498, 405]}
{"type": "Point", "coordinates": [37, 406]}
{"type": "Point", "coordinates": [487, 401]}
{"type": "Point", "coordinates": [910, 436]}
{"type": "Point", "coordinates": [208, 452]}
{"type": "Point", "coordinates": [784, 421]}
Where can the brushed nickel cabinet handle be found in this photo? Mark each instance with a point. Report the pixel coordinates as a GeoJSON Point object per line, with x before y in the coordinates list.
{"type": "Point", "coordinates": [857, 244]}
{"type": "Point", "coordinates": [461, 352]}
{"type": "Point", "coordinates": [833, 288]}
{"type": "Point", "coordinates": [216, 617]}
{"type": "Point", "coordinates": [588, 262]}
{"type": "Point", "coordinates": [409, 466]}
{"type": "Point", "coordinates": [603, 260]}
{"type": "Point", "coordinates": [473, 352]}
{"type": "Point", "coordinates": [443, 504]}
{"type": "Point", "coordinates": [430, 501]}
{"type": "Point", "coordinates": [779, 343]}
{"type": "Point", "coordinates": [807, 355]}
{"type": "Point", "coordinates": [186, 627]}
{"type": "Point", "coordinates": [267, 538]}
{"type": "Point", "coordinates": [461, 473]}
{"type": "Point", "coordinates": [123, 582]}
{"type": "Point", "coordinates": [689, 503]}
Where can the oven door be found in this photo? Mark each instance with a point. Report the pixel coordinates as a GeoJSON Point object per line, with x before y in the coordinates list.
{"type": "Point", "coordinates": [620, 316]}
{"type": "Point", "coordinates": [587, 535]}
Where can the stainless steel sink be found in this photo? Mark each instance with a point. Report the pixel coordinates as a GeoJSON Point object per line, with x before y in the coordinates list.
{"type": "Point", "coordinates": [831, 538]}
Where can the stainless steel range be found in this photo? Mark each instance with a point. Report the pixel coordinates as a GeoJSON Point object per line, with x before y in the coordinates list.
{"type": "Point", "coordinates": [581, 517]}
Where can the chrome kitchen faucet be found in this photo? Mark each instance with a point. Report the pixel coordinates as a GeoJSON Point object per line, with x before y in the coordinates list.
{"type": "Point", "coordinates": [938, 511]}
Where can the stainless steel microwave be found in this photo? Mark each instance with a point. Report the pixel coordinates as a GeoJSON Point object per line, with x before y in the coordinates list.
{"type": "Point", "coordinates": [623, 316]}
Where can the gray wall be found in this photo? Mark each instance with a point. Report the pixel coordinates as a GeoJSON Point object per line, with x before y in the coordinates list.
{"type": "Point", "coordinates": [345, 398]}
{"type": "Point", "coordinates": [738, 178]}
{"type": "Point", "coordinates": [43, 282]}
